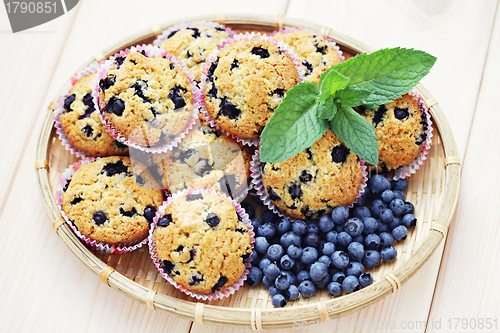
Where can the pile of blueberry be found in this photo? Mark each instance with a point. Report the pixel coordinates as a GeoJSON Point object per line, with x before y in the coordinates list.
{"type": "Point", "coordinates": [300, 257]}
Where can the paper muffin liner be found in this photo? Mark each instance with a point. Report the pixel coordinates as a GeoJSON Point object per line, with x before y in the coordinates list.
{"type": "Point", "coordinates": [332, 43]}
{"type": "Point", "coordinates": [282, 46]}
{"type": "Point", "coordinates": [94, 245]}
{"type": "Point", "coordinates": [164, 36]}
{"type": "Point", "coordinates": [155, 52]}
{"type": "Point", "coordinates": [406, 171]}
{"type": "Point", "coordinates": [60, 110]}
{"type": "Point", "coordinates": [158, 262]}
{"type": "Point", "coordinates": [258, 186]}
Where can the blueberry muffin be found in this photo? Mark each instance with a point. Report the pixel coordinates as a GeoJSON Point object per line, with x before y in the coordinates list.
{"type": "Point", "coordinates": [81, 124]}
{"type": "Point", "coordinates": [314, 52]}
{"type": "Point", "coordinates": [192, 45]}
{"type": "Point", "coordinates": [148, 100]}
{"type": "Point", "coordinates": [314, 181]}
{"type": "Point", "coordinates": [246, 83]}
{"type": "Point", "coordinates": [106, 204]}
{"type": "Point", "coordinates": [205, 158]}
{"type": "Point", "coordinates": [401, 128]}
{"type": "Point", "coordinates": [202, 242]}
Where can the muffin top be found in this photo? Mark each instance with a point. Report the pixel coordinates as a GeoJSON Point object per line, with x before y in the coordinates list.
{"type": "Point", "coordinates": [148, 100]}
{"type": "Point", "coordinates": [314, 52]}
{"type": "Point", "coordinates": [400, 128]}
{"type": "Point", "coordinates": [82, 125]}
{"type": "Point", "coordinates": [202, 242]}
{"type": "Point", "coordinates": [246, 83]}
{"type": "Point", "coordinates": [205, 158]}
{"type": "Point", "coordinates": [107, 205]}
{"type": "Point", "coordinates": [314, 181]}
{"type": "Point", "coordinates": [192, 45]}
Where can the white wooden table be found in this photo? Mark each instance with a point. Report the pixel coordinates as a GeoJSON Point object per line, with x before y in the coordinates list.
{"type": "Point", "coordinates": [45, 288]}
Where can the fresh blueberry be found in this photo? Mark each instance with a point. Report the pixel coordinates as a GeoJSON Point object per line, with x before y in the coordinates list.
{"type": "Point", "coordinates": [275, 252]}
{"type": "Point", "coordinates": [378, 184]}
{"type": "Point", "coordinates": [328, 248]}
{"type": "Point", "coordinates": [334, 289]}
{"type": "Point", "coordinates": [261, 245]}
{"type": "Point", "coordinates": [377, 206]}
{"type": "Point", "coordinates": [326, 223]}
{"type": "Point", "coordinates": [365, 279]}
{"type": "Point", "coordinates": [299, 266]}
{"type": "Point", "coordinates": [255, 258]}
{"type": "Point", "coordinates": [323, 283]}
{"type": "Point", "coordinates": [254, 277]}
{"type": "Point", "coordinates": [387, 196]}
{"type": "Point", "coordinates": [212, 220]}
{"type": "Point", "coordinates": [354, 227]}
{"type": "Point", "coordinates": [362, 212]}
{"type": "Point", "coordinates": [273, 290]}
{"type": "Point", "coordinates": [399, 195]}
{"type": "Point", "coordinates": [267, 230]}
{"type": "Point", "coordinates": [287, 262]}
{"type": "Point", "coordinates": [291, 277]}
{"type": "Point", "coordinates": [278, 301]}
{"type": "Point", "coordinates": [350, 284]}
{"type": "Point", "coordinates": [340, 214]}
{"type": "Point", "coordinates": [331, 236]}
{"type": "Point", "coordinates": [325, 260]}
{"type": "Point", "coordinates": [396, 222]}
{"type": "Point", "coordinates": [367, 194]}
{"type": "Point", "coordinates": [382, 228]}
{"type": "Point", "coordinates": [371, 259]}
{"type": "Point", "coordinates": [290, 238]}
{"type": "Point", "coordinates": [409, 208]}
{"type": "Point", "coordinates": [360, 202]}
{"type": "Point", "coordinates": [397, 206]}
{"type": "Point", "coordinates": [386, 240]}
{"type": "Point", "coordinates": [338, 277]}
{"type": "Point", "coordinates": [354, 268]}
{"type": "Point", "coordinates": [267, 282]}
{"type": "Point", "coordinates": [292, 293]}
{"type": "Point", "coordinates": [248, 209]}
{"type": "Point", "coordinates": [318, 271]}
{"type": "Point", "coordinates": [307, 288]}
{"type": "Point", "coordinates": [303, 275]}
{"type": "Point", "coordinates": [282, 282]}
{"type": "Point", "coordinates": [339, 228]}
{"type": "Point", "coordinates": [313, 227]}
{"type": "Point", "coordinates": [299, 227]}
{"type": "Point", "coordinates": [340, 259]}
{"type": "Point", "coordinates": [268, 216]}
{"type": "Point", "coordinates": [409, 221]}
{"type": "Point", "coordinates": [372, 242]}
{"type": "Point", "coordinates": [386, 215]}
{"type": "Point", "coordinates": [356, 251]}
{"type": "Point", "coordinates": [255, 224]}
{"type": "Point", "coordinates": [309, 255]}
{"type": "Point", "coordinates": [284, 226]}
{"type": "Point", "coordinates": [400, 184]}
{"type": "Point", "coordinates": [344, 239]}
{"type": "Point", "coordinates": [370, 225]}
{"type": "Point", "coordinates": [399, 233]}
{"type": "Point", "coordinates": [99, 217]}
{"type": "Point", "coordinates": [294, 251]}
{"type": "Point", "coordinates": [312, 240]}
{"type": "Point", "coordinates": [359, 239]}
{"type": "Point", "coordinates": [264, 262]}
{"type": "Point", "coordinates": [272, 271]}
{"type": "Point", "coordinates": [388, 254]}
{"type": "Point", "coordinates": [165, 220]}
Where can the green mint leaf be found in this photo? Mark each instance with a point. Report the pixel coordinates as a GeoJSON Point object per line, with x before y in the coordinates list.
{"type": "Point", "coordinates": [326, 109]}
{"type": "Point", "coordinates": [353, 96]}
{"type": "Point", "coordinates": [330, 81]}
{"type": "Point", "coordinates": [387, 73]}
{"type": "Point", "coordinates": [357, 133]}
{"type": "Point", "coordinates": [294, 126]}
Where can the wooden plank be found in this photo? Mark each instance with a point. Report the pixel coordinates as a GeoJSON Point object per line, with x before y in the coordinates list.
{"type": "Point", "coordinates": [469, 272]}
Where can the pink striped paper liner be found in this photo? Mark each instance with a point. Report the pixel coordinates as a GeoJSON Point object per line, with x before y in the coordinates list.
{"type": "Point", "coordinates": [66, 142]}
{"type": "Point", "coordinates": [155, 52]}
{"type": "Point", "coordinates": [332, 43]}
{"type": "Point", "coordinates": [282, 46]}
{"type": "Point", "coordinates": [261, 192]}
{"type": "Point", "coordinates": [94, 245]}
{"type": "Point", "coordinates": [406, 171]}
{"type": "Point", "coordinates": [158, 262]}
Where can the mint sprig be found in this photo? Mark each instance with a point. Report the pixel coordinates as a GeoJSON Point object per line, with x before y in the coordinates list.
{"type": "Point", "coordinates": [307, 111]}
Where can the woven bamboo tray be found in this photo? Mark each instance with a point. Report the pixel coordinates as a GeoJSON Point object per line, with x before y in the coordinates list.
{"type": "Point", "coordinates": [433, 190]}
